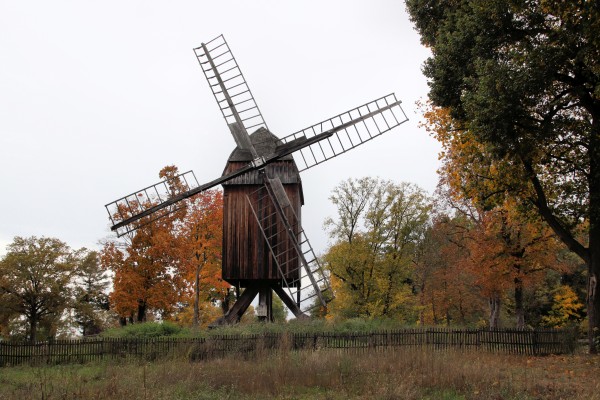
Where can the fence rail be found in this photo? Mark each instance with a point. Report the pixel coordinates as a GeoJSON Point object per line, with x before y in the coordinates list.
{"type": "Point", "coordinates": [527, 342]}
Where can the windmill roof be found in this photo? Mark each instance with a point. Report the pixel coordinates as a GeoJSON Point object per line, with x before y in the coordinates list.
{"type": "Point", "coordinates": [263, 141]}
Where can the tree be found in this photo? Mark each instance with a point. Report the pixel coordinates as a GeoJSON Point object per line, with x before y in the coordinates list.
{"type": "Point", "coordinates": [199, 238]}
{"type": "Point", "coordinates": [147, 277]}
{"type": "Point", "coordinates": [509, 253]}
{"type": "Point", "coordinates": [446, 289]}
{"type": "Point", "coordinates": [378, 226]}
{"type": "Point", "coordinates": [523, 79]}
{"type": "Point", "coordinates": [280, 312]}
{"type": "Point", "coordinates": [90, 293]}
{"type": "Point", "coordinates": [34, 282]}
{"type": "Point", "coordinates": [566, 308]}
{"type": "Point", "coordinates": [503, 249]}
{"type": "Point", "coordinates": [165, 265]}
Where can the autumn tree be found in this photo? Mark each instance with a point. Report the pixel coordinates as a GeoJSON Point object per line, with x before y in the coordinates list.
{"type": "Point", "coordinates": [446, 289]}
{"type": "Point", "coordinates": [165, 265]}
{"type": "Point", "coordinates": [146, 272]}
{"type": "Point", "coordinates": [376, 231]}
{"type": "Point", "coordinates": [199, 239]}
{"type": "Point", "coordinates": [34, 282]}
{"type": "Point", "coordinates": [509, 253]}
{"type": "Point", "coordinates": [565, 310]}
{"type": "Point", "coordinates": [522, 78]}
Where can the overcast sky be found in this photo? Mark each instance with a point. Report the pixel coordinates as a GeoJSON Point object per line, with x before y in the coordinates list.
{"type": "Point", "coordinates": [96, 97]}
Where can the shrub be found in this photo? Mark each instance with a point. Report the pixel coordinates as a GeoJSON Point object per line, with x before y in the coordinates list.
{"type": "Point", "coordinates": [147, 330]}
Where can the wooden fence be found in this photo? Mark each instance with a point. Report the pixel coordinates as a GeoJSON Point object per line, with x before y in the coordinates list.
{"type": "Point", "coordinates": [527, 342]}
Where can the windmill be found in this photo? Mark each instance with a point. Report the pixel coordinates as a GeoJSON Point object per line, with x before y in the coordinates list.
{"type": "Point", "coordinates": [265, 249]}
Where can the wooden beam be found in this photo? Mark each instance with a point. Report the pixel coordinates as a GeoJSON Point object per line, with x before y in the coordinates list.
{"type": "Point", "coordinates": [240, 306]}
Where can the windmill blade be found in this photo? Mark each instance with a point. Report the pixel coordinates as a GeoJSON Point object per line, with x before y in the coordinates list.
{"type": "Point", "coordinates": [349, 130]}
{"type": "Point", "coordinates": [143, 203]}
{"type": "Point", "coordinates": [159, 201]}
{"type": "Point", "coordinates": [303, 276]}
{"type": "Point", "coordinates": [231, 90]}
{"type": "Point", "coordinates": [314, 145]}
{"type": "Point", "coordinates": [140, 200]}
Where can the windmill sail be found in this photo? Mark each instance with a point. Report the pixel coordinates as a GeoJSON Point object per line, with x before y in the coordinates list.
{"type": "Point", "coordinates": [230, 89]}
{"type": "Point", "coordinates": [314, 144]}
{"type": "Point", "coordinates": [303, 277]}
{"type": "Point", "coordinates": [350, 129]}
{"type": "Point", "coordinates": [148, 197]}
{"type": "Point", "coordinates": [148, 201]}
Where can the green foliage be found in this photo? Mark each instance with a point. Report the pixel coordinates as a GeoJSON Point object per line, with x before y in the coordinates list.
{"type": "Point", "coordinates": [522, 78]}
{"type": "Point", "coordinates": [279, 311]}
{"type": "Point", "coordinates": [35, 275]}
{"type": "Point", "coordinates": [253, 328]}
{"type": "Point", "coordinates": [147, 330]}
{"type": "Point", "coordinates": [377, 230]}
{"type": "Point", "coordinates": [90, 303]}
{"type": "Point", "coordinates": [311, 326]}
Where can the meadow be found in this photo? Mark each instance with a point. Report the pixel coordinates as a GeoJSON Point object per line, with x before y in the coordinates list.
{"type": "Point", "coordinates": [405, 373]}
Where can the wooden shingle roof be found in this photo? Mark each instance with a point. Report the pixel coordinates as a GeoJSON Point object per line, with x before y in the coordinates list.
{"type": "Point", "coordinates": [265, 143]}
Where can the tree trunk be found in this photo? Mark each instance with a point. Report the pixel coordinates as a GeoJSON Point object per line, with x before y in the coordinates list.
{"type": "Point", "coordinates": [422, 304]}
{"type": "Point", "coordinates": [141, 315]}
{"type": "Point", "coordinates": [33, 323]}
{"type": "Point", "coordinates": [228, 298]}
{"type": "Point", "coordinates": [519, 311]}
{"type": "Point", "coordinates": [494, 302]}
{"type": "Point", "coordinates": [199, 265]}
{"type": "Point", "coordinates": [196, 320]}
{"type": "Point", "coordinates": [593, 304]}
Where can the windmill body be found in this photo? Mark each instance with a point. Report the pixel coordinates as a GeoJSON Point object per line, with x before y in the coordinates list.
{"type": "Point", "coordinates": [265, 249]}
{"type": "Point", "coordinates": [246, 254]}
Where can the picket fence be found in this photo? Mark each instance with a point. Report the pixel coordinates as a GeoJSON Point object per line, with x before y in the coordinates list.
{"type": "Point", "coordinates": [526, 342]}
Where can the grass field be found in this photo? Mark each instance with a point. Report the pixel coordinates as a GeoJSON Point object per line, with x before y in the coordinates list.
{"type": "Point", "coordinates": [401, 374]}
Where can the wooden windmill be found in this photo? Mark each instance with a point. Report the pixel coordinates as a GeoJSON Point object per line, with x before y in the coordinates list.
{"type": "Point", "coordinates": [265, 249]}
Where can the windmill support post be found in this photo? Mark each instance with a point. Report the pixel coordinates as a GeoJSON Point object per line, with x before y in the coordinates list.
{"type": "Point", "coordinates": [265, 293]}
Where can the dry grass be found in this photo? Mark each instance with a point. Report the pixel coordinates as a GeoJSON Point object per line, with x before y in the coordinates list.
{"type": "Point", "coordinates": [400, 374]}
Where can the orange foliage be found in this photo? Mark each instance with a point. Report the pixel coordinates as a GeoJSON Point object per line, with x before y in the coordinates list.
{"type": "Point", "coordinates": [445, 286]}
{"type": "Point", "coordinates": [155, 270]}
{"type": "Point", "coordinates": [507, 248]}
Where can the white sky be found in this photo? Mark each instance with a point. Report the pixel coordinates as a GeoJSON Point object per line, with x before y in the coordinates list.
{"type": "Point", "coordinates": [96, 97]}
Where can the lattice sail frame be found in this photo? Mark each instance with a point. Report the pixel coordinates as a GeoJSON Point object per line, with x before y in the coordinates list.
{"type": "Point", "coordinates": [345, 132]}
{"type": "Point", "coordinates": [148, 197]}
{"type": "Point", "coordinates": [217, 61]}
{"type": "Point", "coordinates": [371, 120]}
{"type": "Point", "coordinates": [304, 280]}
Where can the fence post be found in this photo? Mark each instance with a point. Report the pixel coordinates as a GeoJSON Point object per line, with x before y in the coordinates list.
{"type": "Point", "coordinates": [534, 342]}
{"type": "Point", "coordinates": [49, 350]}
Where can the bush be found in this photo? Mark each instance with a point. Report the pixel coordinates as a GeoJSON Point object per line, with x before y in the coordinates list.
{"type": "Point", "coordinates": [154, 329]}
{"type": "Point", "coordinates": [147, 330]}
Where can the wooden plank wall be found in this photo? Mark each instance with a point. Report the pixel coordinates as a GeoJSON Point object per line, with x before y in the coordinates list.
{"type": "Point", "coordinates": [246, 255]}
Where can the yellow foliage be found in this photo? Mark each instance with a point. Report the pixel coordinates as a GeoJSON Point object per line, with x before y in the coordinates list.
{"type": "Point", "coordinates": [566, 308]}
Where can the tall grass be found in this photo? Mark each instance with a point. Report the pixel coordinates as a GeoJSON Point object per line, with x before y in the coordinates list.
{"type": "Point", "coordinates": [406, 373]}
